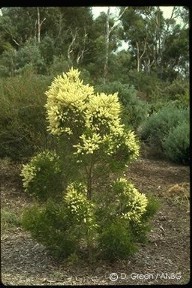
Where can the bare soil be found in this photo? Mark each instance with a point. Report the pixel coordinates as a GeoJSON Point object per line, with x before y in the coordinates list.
{"type": "Point", "coordinates": [164, 259]}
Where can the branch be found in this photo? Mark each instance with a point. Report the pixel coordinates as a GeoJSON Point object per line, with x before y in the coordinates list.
{"type": "Point", "coordinates": [70, 49]}
{"type": "Point", "coordinates": [8, 31]}
{"type": "Point", "coordinates": [80, 54]}
{"type": "Point", "coordinates": [16, 42]}
{"type": "Point", "coordinates": [42, 22]}
{"type": "Point", "coordinates": [145, 45]}
{"type": "Point", "coordinates": [117, 19]}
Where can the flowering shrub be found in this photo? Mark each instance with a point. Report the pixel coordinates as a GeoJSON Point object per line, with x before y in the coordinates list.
{"type": "Point", "coordinates": [134, 110]}
{"type": "Point", "coordinates": [93, 211]}
{"type": "Point", "coordinates": [91, 126]}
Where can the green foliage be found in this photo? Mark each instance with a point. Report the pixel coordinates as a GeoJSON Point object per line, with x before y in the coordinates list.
{"type": "Point", "coordinates": [42, 176]}
{"type": "Point", "coordinates": [30, 55]}
{"type": "Point", "coordinates": [65, 227]}
{"type": "Point", "coordinates": [8, 62]}
{"type": "Point", "coordinates": [123, 218]}
{"type": "Point", "coordinates": [141, 229]}
{"type": "Point", "coordinates": [178, 91]}
{"type": "Point", "coordinates": [176, 144]}
{"type": "Point", "coordinates": [74, 33]}
{"type": "Point", "coordinates": [157, 126]}
{"type": "Point", "coordinates": [151, 208]}
{"type": "Point", "coordinates": [14, 62]}
{"type": "Point", "coordinates": [22, 115]}
{"type": "Point", "coordinates": [134, 110]}
{"type": "Point", "coordinates": [176, 53]}
{"type": "Point", "coordinates": [50, 225]}
{"type": "Point", "coordinates": [116, 241]}
{"type": "Point", "coordinates": [149, 84]}
{"type": "Point", "coordinates": [58, 66]}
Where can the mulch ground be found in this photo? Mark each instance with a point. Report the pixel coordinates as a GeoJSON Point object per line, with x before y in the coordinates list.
{"type": "Point", "coordinates": [165, 259]}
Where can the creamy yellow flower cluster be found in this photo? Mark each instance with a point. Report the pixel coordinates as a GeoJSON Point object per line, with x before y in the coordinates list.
{"type": "Point", "coordinates": [78, 204]}
{"type": "Point", "coordinates": [30, 170]}
{"type": "Point", "coordinates": [66, 91]}
{"type": "Point", "coordinates": [135, 203]}
{"type": "Point", "coordinates": [103, 110]}
{"type": "Point", "coordinates": [71, 104]}
{"type": "Point", "coordinates": [133, 146]}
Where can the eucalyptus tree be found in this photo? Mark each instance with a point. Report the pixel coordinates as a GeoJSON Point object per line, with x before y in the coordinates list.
{"type": "Point", "coordinates": [157, 44]}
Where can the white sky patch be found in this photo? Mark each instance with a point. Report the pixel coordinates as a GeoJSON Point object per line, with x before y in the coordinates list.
{"type": "Point", "coordinates": [167, 10]}
{"type": "Point", "coordinates": [97, 10]}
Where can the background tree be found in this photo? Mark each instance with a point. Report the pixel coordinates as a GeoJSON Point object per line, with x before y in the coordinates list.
{"type": "Point", "coordinates": [70, 36]}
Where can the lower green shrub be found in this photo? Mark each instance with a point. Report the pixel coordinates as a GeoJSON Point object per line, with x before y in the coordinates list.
{"type": "Point", "coordinates": [116, 241]}
{"type": "Point", "coordinates": [64, 228]}
{"type": "Point", "coordinates": [176, 144]}
{"type": "Point", "coordinates": [123, 220]}
{"type": "Point", "coordinates": [75, 224]}
{"type": "Point", "coordinates": [50, 225]}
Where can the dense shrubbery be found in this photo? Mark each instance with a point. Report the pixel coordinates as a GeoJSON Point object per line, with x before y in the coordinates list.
{"type": "Point", "coordinates": [76, 224]}
{"type": "Point", "coordinates": [178, 91]}
{"type": "Point", "coordinates": [22, 112]}
{"type": "Point", "coordinates": [150, 84]}
{"type": "Point", "coordinates": [14, 62]}
{"type": "Point", "coordinates": [22, 115]}
{"type": "Point", "coordinates": [157, 127]}
{"type": "Point", "coordinates": [50, 225]}
{"type": "Point", "coordinates": [176, 144]}
{"type": "Point", "coordinates": [107, 217]}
